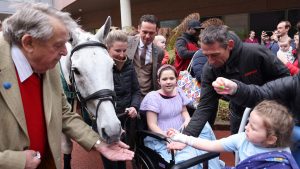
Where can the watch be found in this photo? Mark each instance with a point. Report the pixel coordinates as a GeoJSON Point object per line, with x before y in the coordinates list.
{"type": "Point", "coordinates": [97, 144]}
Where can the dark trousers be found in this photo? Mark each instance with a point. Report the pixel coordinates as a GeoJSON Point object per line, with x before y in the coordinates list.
{"type": "Point", "coordinates": [113, 164]}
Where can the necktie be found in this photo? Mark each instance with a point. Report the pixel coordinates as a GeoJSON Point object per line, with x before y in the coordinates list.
{"type": "Point", "coordinates": [143, 55]}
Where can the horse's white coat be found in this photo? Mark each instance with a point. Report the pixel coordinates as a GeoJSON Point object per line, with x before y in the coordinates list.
{"type": "Point", "coordinates": [95, 67]}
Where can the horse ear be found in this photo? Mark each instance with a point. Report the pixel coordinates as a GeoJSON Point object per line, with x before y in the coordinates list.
{"type": "Point", "coordinates": [104, 30]}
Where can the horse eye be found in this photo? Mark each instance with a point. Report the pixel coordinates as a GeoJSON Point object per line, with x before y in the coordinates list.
{"type": "Point", "coordinates": [76, 71]}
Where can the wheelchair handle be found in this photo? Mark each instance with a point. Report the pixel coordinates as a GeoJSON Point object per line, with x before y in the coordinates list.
{"type": "Point", "coordinates": [196, 160]}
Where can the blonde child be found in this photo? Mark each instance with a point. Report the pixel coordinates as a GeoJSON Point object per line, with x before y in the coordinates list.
{"type": "Point", "coordinates": [160, 41]}
{"type": "Point", "coordinates": [285, 51]}
{"type": "Point", "coordinates": [269, 129]}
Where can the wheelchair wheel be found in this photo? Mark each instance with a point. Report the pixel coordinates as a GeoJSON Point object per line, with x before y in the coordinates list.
{"type": "Point", "coordinates": [142, 161]}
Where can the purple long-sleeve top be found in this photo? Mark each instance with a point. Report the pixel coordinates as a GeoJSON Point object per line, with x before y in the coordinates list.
{"type": "Point", "coordinates": [169, 110]}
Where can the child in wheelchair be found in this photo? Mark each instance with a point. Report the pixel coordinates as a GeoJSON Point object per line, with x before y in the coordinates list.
{"type": "Point", "coordinates": [265, 142]}
{"type": "Point", "coordinates": [166, 108]}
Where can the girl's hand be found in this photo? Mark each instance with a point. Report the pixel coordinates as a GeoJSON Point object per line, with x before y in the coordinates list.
{"type": "Point", "coordinates": [224, 86]}
{"type": "Point", "coordinates": [176, 146]}
{"type": "Point", "coordinates": [170, 149]}
{"type": "Point", "coordinates": [171, 132]}
{"type": "Point", "coordinates": [177, 136]}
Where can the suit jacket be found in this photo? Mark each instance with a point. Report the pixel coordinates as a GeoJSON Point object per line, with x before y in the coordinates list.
{"type": "Point", "coordinates": [14, 137]}
{"type": "Point", "coordinates": [157, 56]}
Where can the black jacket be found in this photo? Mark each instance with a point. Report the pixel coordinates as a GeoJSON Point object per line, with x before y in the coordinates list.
{"type": "Point", "coordinates": [249, 63]}
{"type": "Point", "coordinates": [126, 87]}
{"type": "Point", "coordinates": [285, 90]}
{"type": "Point", "coordinates": [181, 44]}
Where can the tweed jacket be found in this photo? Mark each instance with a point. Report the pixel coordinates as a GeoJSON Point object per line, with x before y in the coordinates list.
{"type": "Point", "coordinates": [14, 137]}
{"type": "Point", "coordinates": [157, 56]}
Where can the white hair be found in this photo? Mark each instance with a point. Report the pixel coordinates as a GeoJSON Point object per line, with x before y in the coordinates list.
{"type": "Point", "coordinates": [34, 19]}
{"type": "Point", "coordinates": [159, 38]}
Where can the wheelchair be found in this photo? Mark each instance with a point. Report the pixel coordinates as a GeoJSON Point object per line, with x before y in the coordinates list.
{"type": "Point", "coordinates": [146, 158]}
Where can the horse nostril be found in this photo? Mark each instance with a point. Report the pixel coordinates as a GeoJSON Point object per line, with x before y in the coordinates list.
{"type": "Point", "coordinates": [104, 134]}
{"type": "Point", "coordinates": [123, 135]}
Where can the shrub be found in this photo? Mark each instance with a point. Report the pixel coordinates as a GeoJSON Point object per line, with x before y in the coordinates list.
{"type": "Point", "coordinates": [223, 111]}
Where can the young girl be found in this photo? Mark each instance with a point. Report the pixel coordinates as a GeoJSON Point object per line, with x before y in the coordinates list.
{"type": "Point", "coordinates": [269, 129]}
{"type": "Point", "coordinates": [166, 108]}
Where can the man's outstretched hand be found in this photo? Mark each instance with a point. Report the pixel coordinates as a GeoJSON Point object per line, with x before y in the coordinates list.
{"type": "Point", "coordinates": [224, 86]}
{"type": "Point", "coordinates": [115, 152]}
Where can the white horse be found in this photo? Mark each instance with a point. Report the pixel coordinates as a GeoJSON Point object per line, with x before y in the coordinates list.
{"type": "Point", "coordinates": [89, 67]}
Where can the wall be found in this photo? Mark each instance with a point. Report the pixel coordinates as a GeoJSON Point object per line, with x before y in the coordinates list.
{"type": "Point", "coordinates": [178, 9]}
{"type": "Point", "coordinates": [60, 4]}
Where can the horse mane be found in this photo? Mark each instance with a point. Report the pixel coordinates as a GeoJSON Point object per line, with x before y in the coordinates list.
{"type": "Point", "coordinates": [78, 36]}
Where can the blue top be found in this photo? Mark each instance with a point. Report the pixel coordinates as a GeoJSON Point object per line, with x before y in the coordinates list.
{"type": "Point", "coordinates": [199, 60]}
{"type": "Point", "coordinates": [238, 142]}
{"type": "Point", "coordinates": [274, 47]}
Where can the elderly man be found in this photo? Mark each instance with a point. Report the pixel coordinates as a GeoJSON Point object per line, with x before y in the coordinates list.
{"type": "Point", "coordinates": [229, 57]}
{"type": "Point", "coordinates": [146, 56]}
{"type": "Point", "coordinates": [34, 110]}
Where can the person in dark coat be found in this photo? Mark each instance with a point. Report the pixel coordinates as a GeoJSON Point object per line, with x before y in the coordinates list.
{"type": "Point", "coordinates": [126, 86]}
{"type": "Point", "coordinates": [199, 59]}
{"type": "Point", "coordinates": [187, 45]}
{"type": "Point", "coordinates": [229, 57]}
{"type": "Point", "coordinates": [284, 90]}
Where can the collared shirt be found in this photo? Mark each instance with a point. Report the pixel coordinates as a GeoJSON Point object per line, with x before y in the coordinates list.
{"type": "Point", "coordinates": [148, 58]}
{"type": "Point", "coordinates": [22, 65]}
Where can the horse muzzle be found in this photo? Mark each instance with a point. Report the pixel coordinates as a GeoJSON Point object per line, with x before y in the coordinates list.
{"type": "Point", "coordinates": [111, 136]}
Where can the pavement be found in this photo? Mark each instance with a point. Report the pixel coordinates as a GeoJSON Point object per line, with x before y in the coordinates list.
{"type": "Point", "coordinates": [82, 159]}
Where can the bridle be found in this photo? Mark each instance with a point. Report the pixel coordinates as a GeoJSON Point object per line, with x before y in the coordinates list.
{"type": "Point", "coordinates": [101, 95]}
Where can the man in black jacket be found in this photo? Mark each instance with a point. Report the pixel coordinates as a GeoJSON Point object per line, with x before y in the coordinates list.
{"type": "Point", "coordinates": [285, 90]}
{"type": "Point", "coordinates": [229, 57]}
{"type": "Point", "coordinates": [199, 59]}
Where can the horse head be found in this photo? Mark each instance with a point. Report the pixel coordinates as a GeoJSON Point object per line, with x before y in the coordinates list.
{"type": "Point", "coordinates": [90, 67]}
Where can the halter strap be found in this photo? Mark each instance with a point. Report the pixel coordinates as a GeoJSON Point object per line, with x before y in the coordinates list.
{"type": "Point", "coordinates": [101, 94]}
{"type": "Point", "coordinates": [87, 44]}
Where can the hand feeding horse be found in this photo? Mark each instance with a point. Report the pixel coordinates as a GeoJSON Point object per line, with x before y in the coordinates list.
{"type": "Point", "coordinates": [88, 69]}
